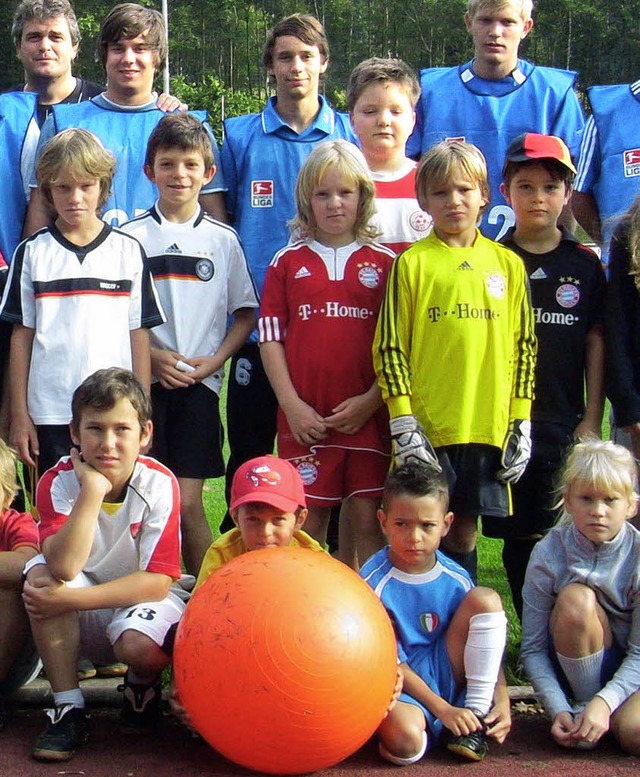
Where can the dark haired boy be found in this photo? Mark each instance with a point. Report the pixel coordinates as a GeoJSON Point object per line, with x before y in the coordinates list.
{"type": "Point", "coordinates": [202, 279]}
{"type": "Point", "coordinates": [110, 538]}
{"type": "Point", "coordinates": [46, 35]}
{"type": "Point", "coordinates": [567, 291]}
{"type": "Point", "coordinates": [132, 48]}
{"type": "Point", "coordinates": [450, 634]}
{"type": "Point", "coordinates": [261, 157]}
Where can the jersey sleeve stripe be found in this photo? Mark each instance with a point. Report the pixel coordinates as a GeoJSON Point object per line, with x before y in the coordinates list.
{"type": "Point", "coordinates": [392, 373]}
{"type": "Point", "coordinates": [587, 150]}
{"type": "Point", "coordinates": [269, 329]}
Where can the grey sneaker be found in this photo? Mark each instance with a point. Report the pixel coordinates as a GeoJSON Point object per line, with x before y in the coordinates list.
{"type": "Point", "coordinates": [68, 728]}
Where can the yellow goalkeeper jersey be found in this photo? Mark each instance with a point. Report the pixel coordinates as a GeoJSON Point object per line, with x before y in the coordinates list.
{"type": "Point", "coordinates": [455, 342]}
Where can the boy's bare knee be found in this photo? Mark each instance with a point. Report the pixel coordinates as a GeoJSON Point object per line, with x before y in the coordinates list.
{"type": "Point", "coordinates": [402, 731]}
{"type": "Point", "coordinates": [625, 725]}
{"type": "Point", "coordinates": [137, 649]}
{"type": "Point", "coordinates": [627, 732]}
{"type": "Point", "coordinates": [483, 599]}
{"type": "Point", "coordinates": [574, 605]}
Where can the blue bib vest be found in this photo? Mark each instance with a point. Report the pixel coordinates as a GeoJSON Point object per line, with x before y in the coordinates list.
{"type": "Point", "coordinates": [616, 112]}
{"type": "Point", "coordinates": [16, 111]}
{"type": "Point", "coordinates": [125, 135]}
{"type": "Point", "coordinates": [457, 104]}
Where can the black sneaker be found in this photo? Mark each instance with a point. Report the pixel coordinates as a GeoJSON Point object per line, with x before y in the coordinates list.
{"type": "Point", "coordinates": [472, 746]}
{"type": "Point", "coordinates": [141, 711]}
{"type": "Point", "coordinates": [67, 730]}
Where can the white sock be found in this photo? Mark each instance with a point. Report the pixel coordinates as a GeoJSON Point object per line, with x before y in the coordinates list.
{"type": "Point", "coordinates": [395, 759]}
{"type": "Point", "coordinates": [483, 658]}
{"type": "Point", "coordinates": [583, 674]}
{"type": "Point", "coordinates": [74, 696]}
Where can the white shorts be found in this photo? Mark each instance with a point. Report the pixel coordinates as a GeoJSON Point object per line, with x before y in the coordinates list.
{"type": "Point", "coordinates": [100, 629]}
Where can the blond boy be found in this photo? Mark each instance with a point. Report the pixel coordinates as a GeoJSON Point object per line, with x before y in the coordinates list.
{"type": "Point", "coordinates": [455, 349]}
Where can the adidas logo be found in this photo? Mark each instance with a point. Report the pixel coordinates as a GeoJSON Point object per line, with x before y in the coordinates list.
{"type": "Point", "coordinates": [302, 273]}
{"type": "Point", "coordinates": [538, 275]}
{"type": "Point", "coordinates": [174, 248]}
{"type": "Point", "coordinates": [465, 266]}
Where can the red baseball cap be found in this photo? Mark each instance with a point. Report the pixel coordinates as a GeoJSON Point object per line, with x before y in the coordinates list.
{"type": "Point", "coordinates": [271, 480]}
{"type": "Point", "coordinates": [535, 146]}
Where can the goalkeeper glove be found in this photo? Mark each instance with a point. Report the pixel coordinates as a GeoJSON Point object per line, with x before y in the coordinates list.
{"type": "Point", "coordinates": [410, 444]}
{"type": "Point", "coordinates": [516, 451]}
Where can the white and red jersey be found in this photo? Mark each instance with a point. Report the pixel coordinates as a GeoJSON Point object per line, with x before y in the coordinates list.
{"type": "Point", "coordinates": [141, 534]}
{"type": "Point", "coordinates": [322, 304]}
{"type": "Point", "coordinates": [399, 217]}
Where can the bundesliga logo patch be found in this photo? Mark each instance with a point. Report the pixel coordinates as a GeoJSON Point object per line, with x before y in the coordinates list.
{"type": "Point", "coordinates": [262, 194]}
{"type": "Point", "coordinates": [632, 163]}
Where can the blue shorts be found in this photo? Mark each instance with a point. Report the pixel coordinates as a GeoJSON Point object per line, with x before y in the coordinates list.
{"type": "Point", "coordinates": [434, 667]}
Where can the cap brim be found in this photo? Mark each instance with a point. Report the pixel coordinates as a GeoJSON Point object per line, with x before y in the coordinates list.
{"type": "Point", "coordinates": [534, 156]}
{"type": "Point", "coordinates": [268, 498]}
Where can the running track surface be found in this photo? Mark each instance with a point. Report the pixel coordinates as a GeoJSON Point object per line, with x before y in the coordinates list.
{"type": "Point", "coordinates": [174, 753]}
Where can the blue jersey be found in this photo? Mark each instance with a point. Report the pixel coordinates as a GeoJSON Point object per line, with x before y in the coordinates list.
{"type": "Point", "coordinates": [17, 110]}
{"type": "Point", "coordinates": [610, 154]}
{"type": "Point", "coordinates": [124, 132]}
{"type": "Point", "coordinates": [456, 103]}
{"type": "Point", "coordinates": [420, 606]}
{"type": "Point", "coordinates": [261, 157]}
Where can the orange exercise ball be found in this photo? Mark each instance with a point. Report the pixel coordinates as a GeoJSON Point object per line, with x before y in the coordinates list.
{"type": "Point", "coordinates": [285, 661]}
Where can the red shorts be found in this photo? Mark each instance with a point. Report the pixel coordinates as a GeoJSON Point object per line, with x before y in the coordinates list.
{"type": "Point", "coordinates": [333, 474]}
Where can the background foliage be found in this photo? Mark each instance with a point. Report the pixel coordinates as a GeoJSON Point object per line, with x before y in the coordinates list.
{"type": "Point", "coordinates": [216, 45]}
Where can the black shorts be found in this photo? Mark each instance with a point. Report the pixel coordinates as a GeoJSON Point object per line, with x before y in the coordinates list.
{"type": "Point", "coordinates": [55, 442]}
{"type": "Point", "coordinates": [187, 432]}
{"type": "Point", "coordinates": [25, 668]}
{"type": "Point", "coordinates": [471, 472]}
{"type": "Point", "coordinates": [535, 496]}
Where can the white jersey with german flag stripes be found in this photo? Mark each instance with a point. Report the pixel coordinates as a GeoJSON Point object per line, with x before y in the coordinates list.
{"type": "Point", "coordinates": [202, 277]}
{"type": "Point", "coordinates": [82, 303]}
